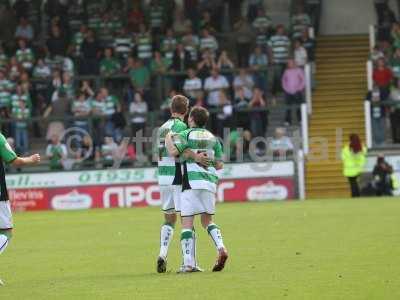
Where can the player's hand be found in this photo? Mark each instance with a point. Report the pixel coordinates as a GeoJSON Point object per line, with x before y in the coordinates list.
{"type": "Point", "coordinates": [35, 158]}
{"type": "Point", "coordinates": [203, 159]}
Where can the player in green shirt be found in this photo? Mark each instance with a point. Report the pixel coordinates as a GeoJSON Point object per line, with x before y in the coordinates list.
{"type": "Point", "coordinates": [7, 155]}
{"type": "Point", "coordinates": [199, 185]}
{"type": "Point", "coordinates": [170, 177]}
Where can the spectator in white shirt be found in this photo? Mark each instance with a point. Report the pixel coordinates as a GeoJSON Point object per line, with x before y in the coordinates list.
{"type": "Point", "coordinates": [213, 85]}
{"type": "Point", "coordinates": [300, 54]}
{"type": "Point", "coordinates": [281, 145]}
{"type": "Point", "coordinates": [138, 109]}
{"type": "Point", "coordinates": [192, 85]}
{"type": "Point", "coordinates": [244, 81]}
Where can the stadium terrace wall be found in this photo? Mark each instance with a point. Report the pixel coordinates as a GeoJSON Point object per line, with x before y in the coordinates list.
{"type": "Point", "coordinates": [138, 187]}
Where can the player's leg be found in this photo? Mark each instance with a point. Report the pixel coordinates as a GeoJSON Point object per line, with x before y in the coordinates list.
{"type": "Point", "coordinates": [189, 208]}
{"type": "Point", "coordinates": [177, 200]}
{"type": "Point", "coordinates": [167, 229]}
{"type": "Point", "coordinates": [213, 230]}
{"type": "Point", "coordinates": [6, 226]}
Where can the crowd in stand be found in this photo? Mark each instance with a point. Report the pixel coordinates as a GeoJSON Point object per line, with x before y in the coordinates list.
{"type": "Point", "coordinates": [51, 63]}
{"type": "Point", "coordinates": [386, 76]}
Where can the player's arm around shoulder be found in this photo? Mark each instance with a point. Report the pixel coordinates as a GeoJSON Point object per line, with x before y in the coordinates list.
{"type": "Point", "coordinates": [170, 145]}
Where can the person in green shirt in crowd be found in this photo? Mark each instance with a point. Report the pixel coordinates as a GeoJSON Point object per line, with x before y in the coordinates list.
{"type": "Point", "coordinates": [140, 76]}
{"type": "Point", "coordinates": [56, 152]}
{"type": "Point", "coordinates": [21, 114]}
{"type": "Point", "coordinates": [354, 159]}
{"type": "Point", "coordinates": [109, 65]}
{"type": "Point", "coordinates": [8, 156]}
{"type": "Point", "coordinates": [3, 58]}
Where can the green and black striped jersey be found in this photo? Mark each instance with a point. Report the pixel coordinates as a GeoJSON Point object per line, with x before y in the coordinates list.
{"type": "Point", "coordinates": [196, 176]}
{"type": "Point", "coordinates": [169, 169]}
{"type": "Point", "coordinates": [7, 155]}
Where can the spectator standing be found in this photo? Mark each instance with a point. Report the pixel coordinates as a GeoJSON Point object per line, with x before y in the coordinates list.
{"type": "Point", "coordinates": [224, 116]}
{"type": "Point", "coordinates": [3, 58]}
{"type": "Point", "coordinates": [354, 159]}
{"type": "Point", "coordinates": [144, 42]}
{"type": "Point", "coordinates": [244, 37]}
{"type": "Point", "coordinates": [24, 30]}
{"type": "Point", "coordinates": [180, 63]}
{"type": "Point", "coordinates": [57, 153]}
{"type": "Point", "coordinates": [123, 44]}
{"type": "Point", "coordinates": [78, 39]}
{"type": "Point", "coordinates": [192, 85]}
{"type": "Point", "coordinates": [300, 54]}
{"type": "Point", "coordinates": [21, 113]}
{"type": "Point", "coordinates": [300, 21]}
{"type": "Point", "coordinates": [90, 54]}
{"type": "Point", "coordinates": [135, 17]}
{"type": "Point", "coordinates": [395, 63]}
{"type": "Point", "coordinates": [25, 55]}
{"type": "Point", "coordinates": [140, 76]}
{"type": "Point", "coordinates": [138, 110]}
{"type": "Point", "coordinates": [293, 83]}
{"type": "Point", "coordinates": [383, 76]}
{"type": "Point", "coordinates": [309, 44]}
{"type": "Point", "coordinates": [206, 64]}
{"type": "Point", "coordinates": [313, 8]}
{"type": "Point", "coordinates": [57, 43]}
{"type": "Point", "coordinates": [258, 63]}
{"type": "Point", "coordinates": [14, 69]}
{"type": "Point", "coordinates": [156, 17]}
{"type": "Point", "coordinates": [280, 47]}
{"type": "Point", "coordinates": [262, 23]}
{"type": "Point", "coordinates": [258, 118]}
{"type": "Point", "coordinates": [191, 43]}
{"type": "Point", "coordinates": [59, 109]}
{"type": "Point", "coordinates": [213, 85]}
{"type": "Point", "coordinates": [395, 113]}
{"type": "Point", "coordinates": [109, 65]}
{"type": "Point", "coordinates": [377, 116]}
{"type": "Point", "coordinates": [168, 44]}
{"type": "Point", "coordinates": [208, 41]}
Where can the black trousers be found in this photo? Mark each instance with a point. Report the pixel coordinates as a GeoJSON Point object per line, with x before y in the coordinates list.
{"type": "Point", "coordinates": [355, 189]}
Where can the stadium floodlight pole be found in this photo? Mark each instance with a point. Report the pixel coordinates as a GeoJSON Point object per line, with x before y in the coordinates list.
{"type": "Point", "coordinates": [308, 91]}
{"type": "Point", "coordinates": [304, 127]}
{"type": "Point", "coordinates": [368, 130]}
{"type": "Point", "coordinates": [300, 175]}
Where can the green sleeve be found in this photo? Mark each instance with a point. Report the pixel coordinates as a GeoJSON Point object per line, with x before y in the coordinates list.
{"type": "Point", "coordinates": [181, 141]}
{"type": "Point", "coordinates": [6, 153]}
{"type": "Point", "coordinates": [218, 151]}
{"type": "Point", "coordinates": [179, 126]}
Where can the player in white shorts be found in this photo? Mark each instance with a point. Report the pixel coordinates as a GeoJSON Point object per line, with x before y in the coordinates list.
{"type": "Point", "coordinates": [170, 176]}
{"type": "Point", "coordinates": [199, 185]}
{"type": "Point", "coordinates": [7, 155]}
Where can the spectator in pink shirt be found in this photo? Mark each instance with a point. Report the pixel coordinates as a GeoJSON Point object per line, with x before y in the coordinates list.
{"type": "Point", "coordinates": [293, 83]}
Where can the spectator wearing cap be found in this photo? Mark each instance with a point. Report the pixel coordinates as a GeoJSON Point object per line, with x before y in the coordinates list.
{"type": "Point", "coordinates": [293, 83]}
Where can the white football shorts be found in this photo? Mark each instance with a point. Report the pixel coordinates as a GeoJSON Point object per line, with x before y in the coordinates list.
{"type": "Point", "coordinates": [195, 202]}
{"type": "Point", "coordinates": [5, 215]}
{"type": "Point", "coordinates": [170, 198]}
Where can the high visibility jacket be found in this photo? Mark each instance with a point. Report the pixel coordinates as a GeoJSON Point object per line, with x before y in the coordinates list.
{"type": "Point", "coordinates": [353, 163]}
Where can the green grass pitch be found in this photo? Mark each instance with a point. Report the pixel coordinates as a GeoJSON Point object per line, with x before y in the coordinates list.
{"type": "Point", "coordinates": [331, 249]}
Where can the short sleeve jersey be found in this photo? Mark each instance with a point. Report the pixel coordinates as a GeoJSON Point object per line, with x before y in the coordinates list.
{"type": "Point", "coordinates": [196, 176]}
{"type": "Point", "coordinates": [7, 155]}
{"type": "Point", "coordinates": [169, 169]}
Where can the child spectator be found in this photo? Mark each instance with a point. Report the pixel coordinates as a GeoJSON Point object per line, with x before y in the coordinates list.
{"type": "Point", "coordinates": [309, 44]}
{"type": "Point", "coordinates": [281, 145]}
{"type": "Point", "coordinates": [20, 114]}
{"type": "Point", "coordinates": [57, 153]}
{"type": "Point", "coordinates": [109, 65]}
{"type": "Point", "coordinates": [300, 54]}
{"type": "Point", "coordinates": [81, 109]}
